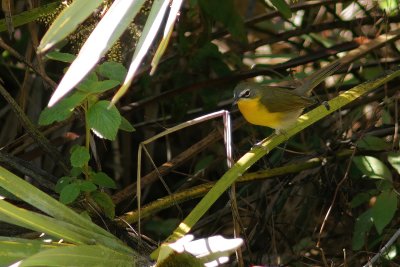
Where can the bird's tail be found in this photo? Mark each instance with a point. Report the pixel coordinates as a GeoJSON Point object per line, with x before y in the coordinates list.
{"type": "Point", "coordinates": [316, 78]}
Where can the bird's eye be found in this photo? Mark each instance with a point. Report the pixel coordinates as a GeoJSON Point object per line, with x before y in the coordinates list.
{"type": "Point", "coordinates": [246, 93]}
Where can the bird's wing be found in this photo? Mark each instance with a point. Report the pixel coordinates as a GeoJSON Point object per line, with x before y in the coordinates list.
{"type": "Point", "coordinates": [284, 100]}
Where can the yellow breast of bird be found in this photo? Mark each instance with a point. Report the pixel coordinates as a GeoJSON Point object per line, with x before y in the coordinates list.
{"type": "Point", "coordinates": [256, 113]}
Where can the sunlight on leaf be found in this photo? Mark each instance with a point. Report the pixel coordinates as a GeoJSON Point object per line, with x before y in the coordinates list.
{"type": "Point", "coordinates": [372, 167]}
{"type": "Point", "coordinates": [149, 32]}
{"type": "Point", "coordinates": [67, 22]}
{"type": "Point", "coordinates": [109, 29]}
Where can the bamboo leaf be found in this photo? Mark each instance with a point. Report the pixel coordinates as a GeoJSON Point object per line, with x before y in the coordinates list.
{"type": "Point", "coordinates": [83, 255]}
{"type": "Point", "coordinates": [15, 249]}
{"type": "Point", "coordinates": [169, 26]}
{"type": "Point", "coordinates": [109, 29]}
{"type": "Point", "coordinates": [149, 32]}
{"type": "Point", "coordinates": [40, 223]}
{"type": "Point", "coordinates": [67, 22]}
{"type": "Point", "coordinates": [44, 202]}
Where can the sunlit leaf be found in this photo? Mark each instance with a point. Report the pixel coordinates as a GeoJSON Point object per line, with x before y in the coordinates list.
{"type": "Point", "coordinates": [42, 223]}
{"type": "Point", "coordinates": [146, 39]}
{"type": "Point", "coordinates": [15, 249]}
{"type": "Point", "coordinates": [68, 20]}
{"type": "Point", "coordinates": [64, 217]}
{"type": "Point", "coordinates": [82, 255]}
{"type": "Point", "coordinates": [372, 167]}
{"type": "Point", "coordinates": [107, 31]}
{"type": "Point", "coordinates": [175, 6]}
{"type": "Point", "coordinates": [394, 160]}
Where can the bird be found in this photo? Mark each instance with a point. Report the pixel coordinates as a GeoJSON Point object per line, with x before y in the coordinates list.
{"type": "Point", "coordinates": [278, 107]}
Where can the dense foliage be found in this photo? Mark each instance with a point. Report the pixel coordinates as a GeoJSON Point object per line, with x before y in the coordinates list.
{"type": "Point", "coordinates": [326, 196]}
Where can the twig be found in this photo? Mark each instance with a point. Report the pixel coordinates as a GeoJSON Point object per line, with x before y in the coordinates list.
{"type": "Point", "coordinates": [383, 249]}
{"type": "Point", "coordinates": [14, 53]}
{"type": "Point", "coordinates": [169, 166]}
{"type": "Point", "coordinates": [43, 178]}
{"type": "Point", "coordinates": [201, 190]}
{"type": "Point", "coordinates": [33, 131]}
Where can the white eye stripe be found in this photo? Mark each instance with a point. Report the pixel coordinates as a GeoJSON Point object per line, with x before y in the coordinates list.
{"type": "Point", "coordinates": [245, 93]}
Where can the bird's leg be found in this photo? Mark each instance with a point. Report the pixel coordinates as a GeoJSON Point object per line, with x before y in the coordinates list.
{"type": "Point", "coordinates": [325, 103]}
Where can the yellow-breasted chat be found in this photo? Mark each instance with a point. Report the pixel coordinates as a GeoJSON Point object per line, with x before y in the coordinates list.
{"type": "Point", "coordinates": [278, 107]}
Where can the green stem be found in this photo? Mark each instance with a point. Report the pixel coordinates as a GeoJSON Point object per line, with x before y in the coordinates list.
{"type": "Point", "coordinates": [87, 137]}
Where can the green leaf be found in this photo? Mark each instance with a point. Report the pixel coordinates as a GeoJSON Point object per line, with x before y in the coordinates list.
{"type": "Point", "coordinates": [68, 20]}
{"type": "Point", "coordinates": [15, 249]}
{"type": "Point", "coordinates": [62, 214]}
{"type": "Point", "coordinates": [104, 121]}
{"type": "Point", "coordinates": [102, 179]}
{"type": "Point", "coordinates": [384, 209]}
{"type": "Point", "coordinates": [386, 117]}
{"type": "Point", "coordinates": [359, 199]}
{"type": "Point", "coordinates": [59, 56]}
{"type": "Point", "coordinates": [394, 160]}
{"type": "Point", "coordinates": [361, 228]}
{"type": "Point", "coordinates": [80, 256]}
{"type": "Point", "coordinates": [172, 16]}
{"type": "Point", "coordinates": [149, 32]}
{"type": "Point", "coordinates": [390, 6]}
{"type": "Point", "coordinates": [370, 142]}
{"type": "Point", "coordinates": [113, 71]}
{"type": "Point", "coordinates": [79, 156]}
{"type": "Point", "coordinates": [372, 167]}
{"type": "Point", "coordinates": [97, 87]}
{"type": "Point", "coordinates": [69, 193]}
{"type": "Point", "coordinates": [63, 109]}
{"type": "Point", "coordinates": [282, 7]}
{"type": "Point", "coordinates": [62, 182]}
{"type": "Point", "coordinates": [87, 186]}
{"type": "Point", "coordinates": [126, 125]}
{"type": "Point", "coordinates": [75, 172]}
{"type": "Point", "coordinates": [105, 202]}
{"type": "Point", "coordinates": [225, 12]}
{"type": "Point", "coordinates": [43, 224]}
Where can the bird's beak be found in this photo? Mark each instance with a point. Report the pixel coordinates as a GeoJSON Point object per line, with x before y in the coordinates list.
{"type": "Point", "coordinates": [235, 100]}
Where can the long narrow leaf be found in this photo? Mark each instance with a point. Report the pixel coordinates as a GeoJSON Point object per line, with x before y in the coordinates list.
{"type": "Point", "coordinates": [169, 26]}
{"type": "Point", "coordinates": [149, 32]}
{"type": "Point", "coordinates": [59, 229]}
{"type": "Point", "coordinates": [44, 202]}
{"type": "Point", "coordinates": [15, 249]}
{"type": "Point", "coordinates": [40, 223]}
{"type": "Point", "coordinates": [67, 22]}
{"type": "Point", "coordinates": [83, 255]}
{"type": "Point", "coordinates": [109, 29]}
